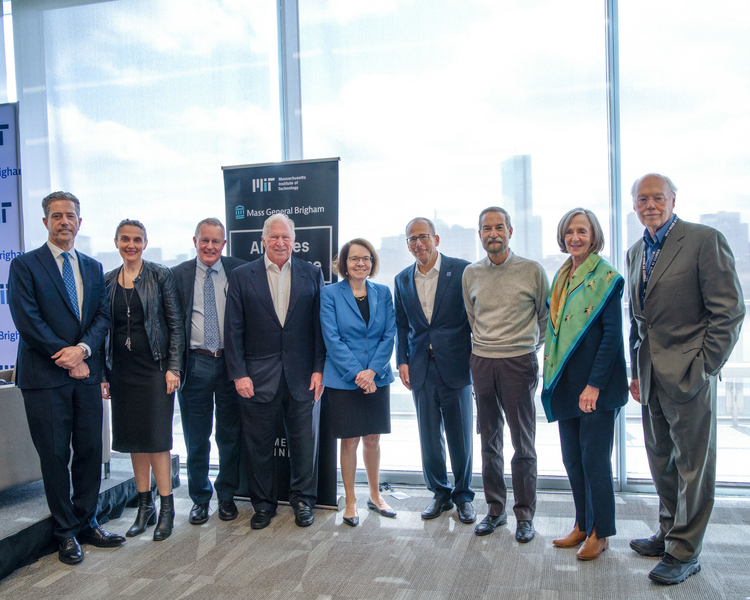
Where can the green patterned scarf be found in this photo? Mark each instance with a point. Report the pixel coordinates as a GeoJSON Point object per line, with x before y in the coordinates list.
{"type": "Point", "coordinates": [573, 306]}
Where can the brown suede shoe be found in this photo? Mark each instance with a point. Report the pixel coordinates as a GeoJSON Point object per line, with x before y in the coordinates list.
{"type": "Point", "coordinates": [592, 547]}
{"type": "Point", "coordinates": [574, 538]}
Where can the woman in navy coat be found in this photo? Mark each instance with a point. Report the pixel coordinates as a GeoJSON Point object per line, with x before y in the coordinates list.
{"type": "Point", "coordinates": [585, 382]}
{"type": "Point", "coordinates": [359, 325]}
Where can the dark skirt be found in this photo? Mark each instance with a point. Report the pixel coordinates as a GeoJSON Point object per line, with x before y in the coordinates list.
{"type": "Point", "coordinates": [352, 413]}
{"type": "Point", "coordinates": [142, 410]}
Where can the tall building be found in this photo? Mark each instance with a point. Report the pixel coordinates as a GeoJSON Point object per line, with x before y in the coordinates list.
{"type": "Point", "coordinates": [517, 200]}
{"type": "Point", "coordinates": [736, 233]}
{"type": "Point", "coordinates": [461, 242]}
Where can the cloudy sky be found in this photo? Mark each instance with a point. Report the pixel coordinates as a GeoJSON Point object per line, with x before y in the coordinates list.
{"type": "Point", "coordinates": [146, 100]}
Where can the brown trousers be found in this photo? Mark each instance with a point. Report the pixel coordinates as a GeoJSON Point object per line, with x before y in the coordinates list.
{"type": "Point", "coordinates": [505, 389]}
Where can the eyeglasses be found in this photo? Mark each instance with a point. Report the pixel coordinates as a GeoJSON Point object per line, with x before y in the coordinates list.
{"type": "Point", "coordinates": [355, 259]}
{"type": "Point", "coordinates": [424, 238]}
{"type": "Point", "coordinates": [643, 200]}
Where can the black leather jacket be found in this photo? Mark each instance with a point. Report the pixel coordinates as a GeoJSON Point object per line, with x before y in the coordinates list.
{"type": "Point", "coordinates": [165, 330]}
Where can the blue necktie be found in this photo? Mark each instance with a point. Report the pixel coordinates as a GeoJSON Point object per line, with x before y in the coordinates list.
{"type": "Point", "coordinates": [70, 283]}
{"type": "Point", "coordinates": [211, 335]}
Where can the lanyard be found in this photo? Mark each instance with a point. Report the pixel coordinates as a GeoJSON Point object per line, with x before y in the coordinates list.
{"type": "Point", "coordinates": [646, 275]}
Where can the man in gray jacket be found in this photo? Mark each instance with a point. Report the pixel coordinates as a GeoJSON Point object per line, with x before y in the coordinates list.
{"type": "Point", "coordinates": [686, 310]}
{"type": "Point", "coordinates": [506, 302]}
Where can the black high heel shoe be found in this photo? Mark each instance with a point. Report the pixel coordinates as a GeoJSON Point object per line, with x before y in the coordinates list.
{"type": "Point", "coordinates": [352, 521]}
{"type": "Point", "coordinates": [386, 512]}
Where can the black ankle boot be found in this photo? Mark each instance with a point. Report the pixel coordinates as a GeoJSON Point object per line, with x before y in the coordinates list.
{"type": "Point", "coordinates": [146, 514]}
{"type": "Point", "coordinates": [166, 518]}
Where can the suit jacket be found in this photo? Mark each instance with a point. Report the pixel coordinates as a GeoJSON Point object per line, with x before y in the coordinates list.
{"type": "Point", "coordinates": [46, 321]}
{"type": "Point", "coordinates": [692, 313]}
{"type": "Point", "coordinates": [184, 274]}
{"type": "Point", "coordinates": [448, 332]}
{"type": "Point", "coordinates": [255, 343]}
{"type": "Point", "coordinates": [351, 345]}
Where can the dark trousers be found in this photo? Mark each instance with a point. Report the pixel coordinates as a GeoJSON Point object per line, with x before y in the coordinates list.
{"type": "Point", "coordinates": [259, 429]}
{"type": "Point", "coordinates": [59, 417]}
{"type": "Point", "coordinates": [586, 444]}
{"type": "Point", "coordinates": [681, 447]}
{"type": "Point", "coordinates": [443, 409]}
{"type": "Point", "coordinates": [506, 386]}
{"type": "Point", "coordinates": [207, 382]}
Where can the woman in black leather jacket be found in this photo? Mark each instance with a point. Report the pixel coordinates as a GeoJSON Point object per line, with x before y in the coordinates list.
{"type": "Point", "coordinates": [144, 350]}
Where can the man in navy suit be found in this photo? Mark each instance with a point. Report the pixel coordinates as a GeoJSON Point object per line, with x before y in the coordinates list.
{"type": "Point", "coordinates": [59, 306]}
{"type": "Point", "coordinates": [275, 356]}
{"type": "Point", "coordinates": [202, 284]}
{"type": "Point", "coordinates": [433, 349]}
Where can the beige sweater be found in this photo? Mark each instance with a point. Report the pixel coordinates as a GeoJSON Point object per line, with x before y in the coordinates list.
{"type": "Point", "coordinates": [506, 305]}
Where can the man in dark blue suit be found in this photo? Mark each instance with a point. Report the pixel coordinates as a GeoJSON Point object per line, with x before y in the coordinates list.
{"type": "Point", "coordinates": [202, 284]}
{"type": "Point", "coordinates": [59, 306]}
{"type": "Point", "coordinates": [275, 356]}
{"type": "Point", "coordinates": [432, 350]}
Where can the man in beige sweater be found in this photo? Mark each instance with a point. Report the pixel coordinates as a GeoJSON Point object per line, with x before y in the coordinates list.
{"type": "Point", "coordinates": [506, 302]}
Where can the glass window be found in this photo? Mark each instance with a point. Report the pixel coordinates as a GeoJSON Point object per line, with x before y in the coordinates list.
{"type": "Point", "coordinates": [441, 109]}
{"type": "Point", "coordinates": [135, 105]}
{"type": "Point", "coordinates": [685, 92]}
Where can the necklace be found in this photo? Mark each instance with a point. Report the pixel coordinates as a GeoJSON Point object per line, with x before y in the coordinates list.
{"type": "Point", "coordinates": [360, 298]}
{"type": "Point", "coordinates": [128, 297]}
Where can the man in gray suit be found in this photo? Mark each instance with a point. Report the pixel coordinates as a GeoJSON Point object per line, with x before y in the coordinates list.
{"type": "Point", "coordinates": [686, 310]}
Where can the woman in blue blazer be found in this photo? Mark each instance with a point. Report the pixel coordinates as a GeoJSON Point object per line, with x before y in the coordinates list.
{"type": "Point", "coordinates": [585, 382]}
{"type": "Point", "coordinates": [359, 325]}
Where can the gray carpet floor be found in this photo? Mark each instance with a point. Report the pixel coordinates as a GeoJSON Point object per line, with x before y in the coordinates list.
{"type": "Point", "coordinates": [402, 558]}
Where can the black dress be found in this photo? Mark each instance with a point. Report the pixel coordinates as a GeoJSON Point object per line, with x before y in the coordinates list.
{"type": "Point", "coordinates": [352, 413]}
{"type": "Point", "coordinates": [141, 408]}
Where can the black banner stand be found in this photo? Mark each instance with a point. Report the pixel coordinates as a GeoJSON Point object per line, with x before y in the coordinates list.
{"type": "Point", "coordinates": [308, 193]}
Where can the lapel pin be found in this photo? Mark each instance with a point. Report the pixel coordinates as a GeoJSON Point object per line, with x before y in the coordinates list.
{"type": "Point", "coordinates": [448, 274]}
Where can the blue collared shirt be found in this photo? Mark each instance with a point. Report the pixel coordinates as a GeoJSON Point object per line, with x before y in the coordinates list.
{"type": "Point", "coordinates": [652, 245]}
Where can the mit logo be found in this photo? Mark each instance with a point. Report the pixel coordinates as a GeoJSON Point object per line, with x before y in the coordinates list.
{"type": "Point", "coordinates": [263, 185]}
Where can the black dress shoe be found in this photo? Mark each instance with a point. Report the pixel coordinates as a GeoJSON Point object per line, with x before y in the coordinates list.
{"type": "Point", "coordinates": [436, 507]}
{"type": "Point", "coordinates": [524, 532]}
{"type": "Point", "coordinates": [489, 523]}
{"type": "Point", "coordinates": [198, 514]}
{"type": "Point", "coordinates": [227, 510]}
{"type": "Point", "coordinates": [303, 515]}
{"type": "Point", "coordinates": [386, 512]}
{"type": "Point", "coordinates": [466, 512]}
{"type": "Point", "coordinates": [262, 519]}
{"type": "Point", "coordinates": [70, 551]}
{"type": "Point", "coordinates": [96, 536]}
{"type": "Point", "coordinates": [648, 546]}
{"type": "Point", "coordinates": [670, 570]}
{"type": "Point", "coordinates": [352, 521]}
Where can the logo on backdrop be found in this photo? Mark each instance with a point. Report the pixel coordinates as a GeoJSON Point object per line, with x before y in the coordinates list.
{"type": "Point", "coordinates": [3, 215]}
{"type": "Point", "coordinates": [2, 128]}
{"type": "Point", "coordinates": [239, 212]}
{"type": "Point", "coordinates": [263, 185]}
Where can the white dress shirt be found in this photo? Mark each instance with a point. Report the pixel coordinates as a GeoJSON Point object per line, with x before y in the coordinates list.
{"type": "Point", "coordinates": [73, 258]}
{"type": "Point", "coordinates": [57, 253]}
{"type": "Point", "coordinates": [427, 286]}
{"type": "Point", "coordinates": [197, 320]}
{"type": "Point", "coordinates": [280, 283]}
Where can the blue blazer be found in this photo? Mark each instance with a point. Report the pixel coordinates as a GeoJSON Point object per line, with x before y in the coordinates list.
{"type": "Point", "coordinates": [449, 331]}
{"type": "Point", "coordinates": [46, 321]}
{"type": "Point", "coordinates": [255, 343]}
{"type": "Point", "coordinates": [352, 346]}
